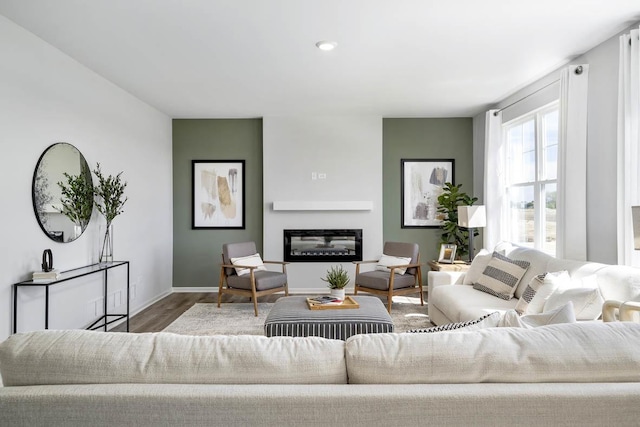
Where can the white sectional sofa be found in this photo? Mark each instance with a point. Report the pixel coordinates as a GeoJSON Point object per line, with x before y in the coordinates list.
{"type": "Point", "coordinates": [574, 374]}
{"type": "Point", "coordinates": [452, 298]}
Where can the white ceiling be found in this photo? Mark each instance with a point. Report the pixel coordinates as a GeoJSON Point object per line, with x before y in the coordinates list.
{"type": "Point", "coordinates": [253, 58]}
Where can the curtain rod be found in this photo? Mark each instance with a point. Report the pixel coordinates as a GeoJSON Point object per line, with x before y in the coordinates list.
{"type": "Point", "coordinates": [578, 71]}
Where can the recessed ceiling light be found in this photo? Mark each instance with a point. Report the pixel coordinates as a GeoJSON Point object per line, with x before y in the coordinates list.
{"type": "Point", "coordinates": [326, 45]}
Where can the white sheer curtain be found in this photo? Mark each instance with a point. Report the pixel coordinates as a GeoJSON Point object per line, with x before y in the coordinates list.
{"type": "Point", "coordinates": [628, 144]}
{"type": "Point", "coordinates": [571, 208]}
{"type": "Point", "coordinates": [571, 229]}
{"type": "Point", "coordinates": [494, 180]}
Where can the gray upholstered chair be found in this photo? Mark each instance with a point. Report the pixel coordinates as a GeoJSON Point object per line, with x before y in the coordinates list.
{"type": "Point", "coordinates": [390, 282]}
{"type": "Point", "coordinates": [256, 282]}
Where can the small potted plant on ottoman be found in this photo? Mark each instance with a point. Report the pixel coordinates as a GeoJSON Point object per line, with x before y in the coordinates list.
{"type": "Point", "coordinates": [337, 279]}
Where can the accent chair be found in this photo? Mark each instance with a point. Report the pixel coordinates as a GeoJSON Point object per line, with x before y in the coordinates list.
{"type": "Point", "coordinates": [390, 278]}
{"type": "Point", "coordinates": [243, 273]}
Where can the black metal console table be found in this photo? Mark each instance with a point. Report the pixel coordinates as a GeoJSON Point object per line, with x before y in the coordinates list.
{"type": "Point", "coordinates": [76, 273]}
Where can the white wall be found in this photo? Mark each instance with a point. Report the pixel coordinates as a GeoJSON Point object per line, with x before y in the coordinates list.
{"type": "Point", "coordinates": [47, 97]}
{"type": "Point", "coordinates": [601, 145]}
{"type": "Point", "coordinates": [348, 149]}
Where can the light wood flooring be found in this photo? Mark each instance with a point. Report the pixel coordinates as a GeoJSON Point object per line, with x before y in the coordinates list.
{"type": "Point", "coordinates": [159, 315]}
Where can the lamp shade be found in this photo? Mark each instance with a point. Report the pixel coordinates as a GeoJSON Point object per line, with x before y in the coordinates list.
{"type": "Point", "coordinates": [472, 216]}
{"type": "Point", "coordinates": [635, 218]}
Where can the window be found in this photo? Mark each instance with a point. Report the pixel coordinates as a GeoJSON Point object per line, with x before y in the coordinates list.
{"type": "Point", "coordinates": [531, 179]}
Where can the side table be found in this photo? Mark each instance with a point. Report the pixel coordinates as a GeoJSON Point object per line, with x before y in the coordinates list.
{"type": "Point", "coordinates": [456, 266]}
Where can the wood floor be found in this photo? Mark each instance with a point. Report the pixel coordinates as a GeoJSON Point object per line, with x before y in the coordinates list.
{"type": "Point", "coordinates": [159, 315]}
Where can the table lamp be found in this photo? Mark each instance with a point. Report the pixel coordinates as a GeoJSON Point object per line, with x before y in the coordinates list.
{"type": "Point", "coordinates": [471, 217]}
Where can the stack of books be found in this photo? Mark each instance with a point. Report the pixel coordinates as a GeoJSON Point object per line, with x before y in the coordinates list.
{"type": "Point", "coordinates": [325, 299]}
{"type": "Point", "coordinates": [46, 276]}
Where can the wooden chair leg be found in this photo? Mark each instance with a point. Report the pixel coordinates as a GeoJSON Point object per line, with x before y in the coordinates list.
{"type": "Point", "coordinates": [253, 294]}
{"type": "Point", "coordinates": [420, 286]}
{"type": "Point", "coordinates": [220, 285]}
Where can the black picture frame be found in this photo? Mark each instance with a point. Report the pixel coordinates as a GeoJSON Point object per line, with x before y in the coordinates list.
{"type": "Point", "coordinates": [218, 194]}
{"type": "Point", "coordinates": [422, 181]}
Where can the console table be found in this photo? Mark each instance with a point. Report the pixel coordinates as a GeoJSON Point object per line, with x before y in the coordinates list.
{"type": "Point", "coordinates": [76, 273]}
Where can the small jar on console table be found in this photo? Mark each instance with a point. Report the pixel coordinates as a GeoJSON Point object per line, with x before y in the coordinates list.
{"type": "Point", "coordinates": [456, 266]}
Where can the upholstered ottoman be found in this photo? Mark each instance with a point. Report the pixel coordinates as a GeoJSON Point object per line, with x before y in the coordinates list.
{"type": "Point", "coordinates": [291, 317]}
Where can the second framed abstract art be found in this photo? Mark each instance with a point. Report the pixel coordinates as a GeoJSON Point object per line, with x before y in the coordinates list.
{"type": "Point", "coordinates": [218, 194]}
{"type": "Point", "coordinates": [422, 182]}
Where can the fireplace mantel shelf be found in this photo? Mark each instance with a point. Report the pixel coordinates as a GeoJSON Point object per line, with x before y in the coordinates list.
{"type": "Point", "coordinates": [322, 206]}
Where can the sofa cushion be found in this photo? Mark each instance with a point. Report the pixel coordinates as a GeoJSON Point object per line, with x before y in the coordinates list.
{"type": "Point", "coordinates": [563, 314]}
{"type": "Point", "coordinates": [538, 290]}
{"type": "Point", "coordinates": [461, 303]}
{"type": "Point", "coordinates": [477, 266]}
{"type": "Point", "coordinates": [619, 282]}
{"type": "Point", "coordinates": [501, 276]}
{"type": "Point", "coordinates": [539, 263]}
{"type": "Point", "coordinates": [490, 320]}
{"type": "Point", "coordinates": [587, 301]}
{"type": "Point", "coordinates": [85, 357]}
{"type": "Point", "coordinates": [570, 352]}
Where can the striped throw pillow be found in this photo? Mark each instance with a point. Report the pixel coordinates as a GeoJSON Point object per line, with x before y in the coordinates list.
{"type": "Point", "coordinates": [501, 276]}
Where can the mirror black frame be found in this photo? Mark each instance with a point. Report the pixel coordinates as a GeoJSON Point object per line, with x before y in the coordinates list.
{"type": "Point", "coordinates": [41, 184]}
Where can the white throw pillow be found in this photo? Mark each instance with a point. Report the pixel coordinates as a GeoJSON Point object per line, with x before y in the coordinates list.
{"type": "Point", "coordinates": [388, 260]}
{"type": "Point", "coordinates": [538, 291]}
{"type": "Point", "coordinates": [563, 314]}
{"type": "Point", "coordinates": [587, 302]}
{"type": "Point", "coordinates": [477, 266]}
{"type": "Point", "coordinates": [248, 261]}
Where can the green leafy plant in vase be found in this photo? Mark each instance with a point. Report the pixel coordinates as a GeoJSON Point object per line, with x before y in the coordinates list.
{"type": "Point", "coordinates": [77, 200]}
{"type": "Point", "coordinates": [337, 279]}
{"type": "Point", "coordinates": [110, 199]}
{"type": "Point", "coordinates": [448, 202]}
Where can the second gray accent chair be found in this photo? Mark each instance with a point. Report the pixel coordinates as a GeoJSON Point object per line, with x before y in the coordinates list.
{"type": "Point", "coordinates": [391, 283]}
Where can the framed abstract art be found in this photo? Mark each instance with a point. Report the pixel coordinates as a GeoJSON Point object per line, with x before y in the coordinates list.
{"type": "Point", "coordinates": [421, 183]}
{"type": "Point", "coordinates": [218, 194]}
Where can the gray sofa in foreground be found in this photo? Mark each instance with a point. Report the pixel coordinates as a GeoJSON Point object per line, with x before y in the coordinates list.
{"type": "Point", "coordinates": [576, 374]}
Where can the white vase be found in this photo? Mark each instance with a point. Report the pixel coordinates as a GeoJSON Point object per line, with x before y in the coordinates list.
{"type": "Point", "coordinates": [338, 293]}
{"type": "Point", "coordinates": [106, 244]}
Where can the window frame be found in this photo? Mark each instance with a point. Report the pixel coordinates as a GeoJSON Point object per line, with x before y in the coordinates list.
{"type": "Point", "coordinates": [539, 185]}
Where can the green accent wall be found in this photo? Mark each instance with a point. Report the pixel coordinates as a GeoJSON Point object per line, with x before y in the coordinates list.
{"type": "Point", "coordinates": [447, 138]}
{"type": "Point", "coordinates": [196, 253]}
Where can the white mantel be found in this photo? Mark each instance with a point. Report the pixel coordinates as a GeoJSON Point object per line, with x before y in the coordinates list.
{"type": "Point", "coordinates": [300, 205]}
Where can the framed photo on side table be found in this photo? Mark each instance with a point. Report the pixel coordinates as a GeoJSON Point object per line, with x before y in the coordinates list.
{"type": "Point", "coordinates": [447, 253]}
{"type": "Point", "coordinates": [218, 195]}
{"type": "Point", "coordinates": [422, 182]}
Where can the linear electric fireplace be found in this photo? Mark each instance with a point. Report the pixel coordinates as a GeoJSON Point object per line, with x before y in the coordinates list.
{"type": "Point", "coordinates": [323, 245]}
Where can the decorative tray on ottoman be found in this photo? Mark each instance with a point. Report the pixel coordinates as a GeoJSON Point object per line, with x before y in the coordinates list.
{"type": "Point", "coordinates": [348, 302]}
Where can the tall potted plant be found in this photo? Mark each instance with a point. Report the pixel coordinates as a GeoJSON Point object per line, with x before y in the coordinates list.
{"type": "Point", "coordinates": [110, 199]}
{"type": "Point", "coordinates": [448, 203]}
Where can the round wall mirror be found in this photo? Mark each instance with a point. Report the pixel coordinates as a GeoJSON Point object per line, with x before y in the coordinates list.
{"type": "Point", "coordinates": [62, 192]}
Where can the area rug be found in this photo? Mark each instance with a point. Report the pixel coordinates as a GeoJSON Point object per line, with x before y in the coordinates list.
{"type": "Point", "coordinates": [239, 319]}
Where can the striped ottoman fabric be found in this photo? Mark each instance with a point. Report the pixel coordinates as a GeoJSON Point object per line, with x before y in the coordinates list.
{"type": "Point", "coordinates": [291, 317]}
